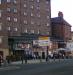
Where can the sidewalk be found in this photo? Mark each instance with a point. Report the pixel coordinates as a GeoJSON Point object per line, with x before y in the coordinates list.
{"type": "Point", "coordinates": [29, 61]}
{"type": "Point", "coordinates": [36, 61]}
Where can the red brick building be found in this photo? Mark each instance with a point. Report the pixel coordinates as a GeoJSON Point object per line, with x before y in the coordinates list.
{"type": "Point", "coordinates": [23, 16]}
{"type": "Point", "coordinates": [61, 30]}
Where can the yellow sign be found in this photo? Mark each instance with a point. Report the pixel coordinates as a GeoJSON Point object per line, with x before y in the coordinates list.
{"type": "Point", "coordinates": [43, 38]}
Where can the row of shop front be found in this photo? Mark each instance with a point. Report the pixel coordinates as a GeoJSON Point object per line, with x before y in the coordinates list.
{"type": "Point", "coordinates": [33, 45]}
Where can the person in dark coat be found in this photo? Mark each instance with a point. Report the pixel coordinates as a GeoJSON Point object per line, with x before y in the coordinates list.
{"type": "Point", "coordinates": [0, 60]}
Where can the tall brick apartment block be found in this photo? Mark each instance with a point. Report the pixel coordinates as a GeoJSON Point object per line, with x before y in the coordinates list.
{"type": "Point", "coordinates": [23, 16]}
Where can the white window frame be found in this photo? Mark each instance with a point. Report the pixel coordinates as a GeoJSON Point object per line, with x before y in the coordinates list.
{"type": "Point", "coordinates": [48, 24]}
{"type": "Point", "coordinates": [0, 39]}
{"type": "Point", "coordinates": [25, 14]}
{"type": "Point", "coordinates": [0, 1]}
{"type": "Point", "coordinates": [15, 19]}
{"type": "Point", "coordinates": [8, 28]}
{"type": "Point", "coordinates": [25, 5]}
{"type": "Point", "coordinates": [32, 14]}
{"type": "Point", "coordinates": [38, 0]}
{"type": "Point", "coordinates": [31, 6]}
{"type": "Point", "coordinates": [8, 1]}
{"type": "Point", "coordinates": [25, 30]}
{"type": "Point", "coordinates": [0, 26]}
{"type": "Point", "coordinates": [15, 1]}
{"type": "Point", "coordinates": [15, 29]}
{"type": "Point", "coordinates": [32, 31]}
{"type": "Point", "coordinates": [8, 18]}
{"type": "Point", "coordinates": [0, 14]}
{"type": "Point", "coordinates": [15, 10]}
{"type": "Point", "coordinates": [25, 21]}
{"type": "Point", "coordinates": [32, 22]}
{"type": "Point", "coordinates": [8, 9]}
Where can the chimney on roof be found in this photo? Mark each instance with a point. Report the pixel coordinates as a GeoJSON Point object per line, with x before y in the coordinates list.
{"type": "Point", "coordinates": [60, 14]}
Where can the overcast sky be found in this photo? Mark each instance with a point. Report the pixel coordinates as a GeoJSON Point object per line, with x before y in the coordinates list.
{"type": "Point", "coordinates": [66, 6]}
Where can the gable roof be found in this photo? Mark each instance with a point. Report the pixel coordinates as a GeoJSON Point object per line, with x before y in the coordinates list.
{"type": "Point", "coordinates": [59, 20]}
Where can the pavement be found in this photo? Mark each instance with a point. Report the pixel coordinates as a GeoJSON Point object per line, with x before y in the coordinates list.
{"type": "Point", "coordinates": [36, 61]}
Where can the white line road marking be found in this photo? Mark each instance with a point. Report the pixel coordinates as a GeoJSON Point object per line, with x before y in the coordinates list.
{"type": "Point", "coordinates": [9, 68]}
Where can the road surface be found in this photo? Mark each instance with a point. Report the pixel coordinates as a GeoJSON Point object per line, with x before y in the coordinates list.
{"type": "Point", "coordinates": [49, 68]}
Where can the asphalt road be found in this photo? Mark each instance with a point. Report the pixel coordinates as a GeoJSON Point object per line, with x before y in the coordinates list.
{"type": "Point", "coordinates": [52, 68]}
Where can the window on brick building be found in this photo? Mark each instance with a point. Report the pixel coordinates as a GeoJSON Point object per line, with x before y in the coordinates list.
{"type": "Point", "coordinates": [15, 29]}
{"type": "Point", "coordinates": [8, 9]}
{"type": "Point", "coordinates": [32, 22]}
{"type": "Point", "coordinates": [48, 24]}
{"type": "Point", "coordinates": [0, 39]}
{"type": "Point", "coordinates": [32, 14]}
{"type": "Point", "coordinates": [15, 1]}
{"type": "Point", "coordinates": [25, 21]}
{"type": "Point", "coordinates": [31, 6]}
{"type": "Point", "coordinates": [15, 19]}
{"type": "Point", "coordinates": [0, 26]}
{"type": "Point", "coordinates": [25, 13]}
{"type": "Point", "coordinates": [38, 31]}
{"type": "Point", "coordinates": [8, 28]}
{"type": "Point", "coordinates": [32, 31]}
{"type": "Point", "coordinates": [8, 18]}
{"type": "Point", "coordinates": [25, 31]}
{"type": "Point", "coordinates": [25, 5]}
{"type": "Point", "coordinates": [8, 1]}
{"type": "Point", "coordinates": [15, 10]}
{"type": "Point", "coordinates": [0, 1]}
{"type": "Point", "coordinates": [0, 14]}
{"type": "Point", "coordinates": [38, 0]}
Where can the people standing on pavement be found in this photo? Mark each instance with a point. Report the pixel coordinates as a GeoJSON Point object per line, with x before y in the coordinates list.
{"type": "Point", "coordinates": [26, 59]}
{"type": "Point", "coordinates": [22, 59]}
{"type": "Point", "coordinates": [0, 60]}
{"type": "Point", "coordinates": [8, 59]}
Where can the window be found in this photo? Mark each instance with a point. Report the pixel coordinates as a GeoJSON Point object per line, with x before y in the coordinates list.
{"type": "Point", "coordinates": [47, 24]}
{"type": "Point", "coordinates": [47, 2]}
{"type": "Point", "coordinates": [32, 0]}
{"type": "Point", "coordinates": [8, 1]}
{"type": "Point", "coordinates": [25, 21]}
{"type": "Point", "coordinates": [15, 1]}
{"type": "Point", "coordinates": [0, 1]}
{"type": "Point", "coordinates": [15, 19]}
{"type": "Point", "coordinates": [25, 30]}
{"type": "Point", "coordinates": [8, 18]}
{"type": "Point", "coordinates": [47, 33]}
{"type": "Point", "coordinates": [25, 5]}
{"type": "Point", "coordinates": [15, 29]}
{"type": "Point", "coordinates": [31, 14]}
{"type": "Point", "coordinates": [48, 17]}
{"type": "Point", "coordinates": [0, 13]}
{"type": "Point", "coordinates": [38, 23]}
{"type": "Point", "coordinates": [31, 7]}
{"type": "Point", "coordinates": [32, 31]}
{"type": "Point", "coordinates": [8, 28]}
{"type": "Point", "coordinates": [25, 13]}
{"type": "Point", "coordinates": [0, 26]}
{"type": "Point", "coordinates": [15, 10]}
{"type": "Point", "coordinates": [0, 39]}
{"type": "Point", "coordinates": [38, 0]}
{"type": "Point", "coordinates": [38, 15]}
{"type": "Point", "coordinates": [38, 31]}
{"type": "Point", "coordinates": [8, 9]}
{"type": "Point", "coordinates": [38, 8]}
{"type": "Point", "coordinates": [32, 22]}
{"type": "Point", "coordinates": [47, 9]}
